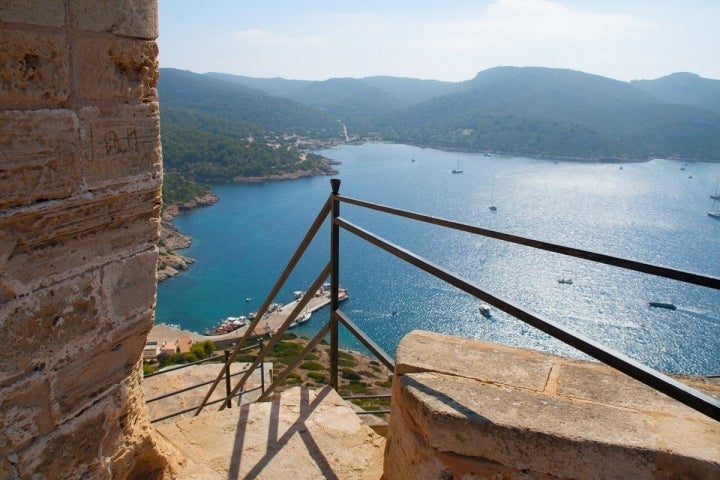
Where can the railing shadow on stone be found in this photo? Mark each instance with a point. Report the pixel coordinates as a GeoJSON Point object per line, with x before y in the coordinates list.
{"type": "Point", "coordinates": [675, 389]}
{"type": "Point", "coordinates": [228, 397]}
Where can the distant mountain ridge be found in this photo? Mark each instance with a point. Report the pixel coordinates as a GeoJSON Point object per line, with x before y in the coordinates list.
{"type": "Point", "coordinates": [684, 89]}
{"type": "Point", "coordinates": [531, 111]}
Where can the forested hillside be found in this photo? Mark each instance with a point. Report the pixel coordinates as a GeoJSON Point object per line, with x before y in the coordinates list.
{"type": "Point", "coordinates": [215, 132]}
{"type": "Point", "coordinates": [563, 113]}
{"type": "Point", "coordinates": [684, 89]}
{"type": "Point", "coordinates": [527, 111]}
{"type": "Point", "coordinates": [223, 128]}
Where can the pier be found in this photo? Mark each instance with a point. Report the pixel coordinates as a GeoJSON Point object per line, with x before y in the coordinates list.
{"type": "Point", "coordinates": [270, 323]}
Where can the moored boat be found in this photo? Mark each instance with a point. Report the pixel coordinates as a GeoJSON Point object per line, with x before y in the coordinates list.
{"type": "Point", "coordinates": [484, 310]}
{"type": "Point", "coordinates": [666, 305]}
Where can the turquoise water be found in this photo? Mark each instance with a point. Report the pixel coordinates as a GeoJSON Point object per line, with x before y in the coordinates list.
{"type": "Point", "coordinates": [653, 211]}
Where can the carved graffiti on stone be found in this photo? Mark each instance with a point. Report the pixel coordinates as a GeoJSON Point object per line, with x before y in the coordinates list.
{"type": "Point", "coordinates": [115, 149]}
{"type": "Point", "coordinates": [115, 144]}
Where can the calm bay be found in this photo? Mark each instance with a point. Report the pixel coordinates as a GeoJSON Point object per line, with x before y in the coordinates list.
{"type": "Point", "coordinates": [653, 211]}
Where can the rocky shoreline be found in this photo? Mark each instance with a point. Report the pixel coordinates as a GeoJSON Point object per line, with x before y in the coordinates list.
{"type": "Point", "coordinates": [170, 263]}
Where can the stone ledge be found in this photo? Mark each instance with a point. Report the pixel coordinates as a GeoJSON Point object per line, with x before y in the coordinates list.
{"type": "Point", "coordinates": [464, 407]}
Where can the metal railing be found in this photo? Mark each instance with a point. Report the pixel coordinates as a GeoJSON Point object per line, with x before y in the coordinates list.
{"type": "Point", "coordinates": [225, 372]}
{"type": "Point", "coordinates": [675, 389]}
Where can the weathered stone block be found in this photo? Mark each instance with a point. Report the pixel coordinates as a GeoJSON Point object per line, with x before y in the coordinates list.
{"type": "Point", "coordinates": [39, 157]}
{"type": "Point", "coordinates": [120, 144]}
{"type": "Point", "coordinates": [33, 70]}
{"type": "Point", "coordinates": [94, 372]}
{"type": "Point", "coordinates": [129, 286]}
{"type": "Point", "coordinates": [115, 69]}
{"type": "Point", "coordinates": [40, 328]}
{"type": "Point", "coordinates": [50, 13]}
{"type": "Point", "coordinates": [65, 239]}
{"type": "Point", "coordinates": [464, 414]}
{"type": "Point", "coordinates": [72, 450]}
{"type": "Point", "coordinates": [25, 411]}
{"type": "Point", "coordinates": [132, 18]}
{"type": "Point", "coordinates": [454, 355]}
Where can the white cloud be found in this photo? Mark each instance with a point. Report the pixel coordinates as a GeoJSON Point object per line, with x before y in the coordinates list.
{"type": "Point", "coordinates": [623, 40]}
{"type": "Point", "coordinates": [258, 38]}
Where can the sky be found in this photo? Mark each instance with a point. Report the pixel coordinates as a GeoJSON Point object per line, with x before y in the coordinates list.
{"type": "Point", "coordinates": [448, 40]}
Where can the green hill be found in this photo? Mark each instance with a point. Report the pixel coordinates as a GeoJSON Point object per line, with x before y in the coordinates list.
{"type": "Point", "coordinates": [561, 113]}
{"type": "Point", "coordinates": [214, 131]}
{"type": "Point", "coordinates": [684, 89]}
{"type": "Point", "coordinates": [526, 111]}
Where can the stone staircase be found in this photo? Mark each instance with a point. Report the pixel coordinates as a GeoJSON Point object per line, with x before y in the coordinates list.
{"type": "Point", "coordinates": [300, 434]}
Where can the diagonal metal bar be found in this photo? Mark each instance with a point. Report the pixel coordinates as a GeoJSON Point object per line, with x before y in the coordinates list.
{"type": "Point", "coordinates": [367, 341]}
{"type": "Point", "coordinates": [294, 364]}
{"type": "Point", "coordinates": [278, 334]}
{"type": "Point", "coordinates": [312, 231]}
{"type": "Point", "coordinates": [661, 271]}
{"type": "Point", "coordinates": [679, 391]}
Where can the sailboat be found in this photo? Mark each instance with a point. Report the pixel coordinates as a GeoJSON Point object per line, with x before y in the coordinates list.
{"type": "Point", "coordinates": [716, 195]}
{"type": "Point", "coordinates": [458, 169]}
{"type": "Point", "coordinates": [492, 206]}
{"type": "Point", "coordinates": [715, 213]}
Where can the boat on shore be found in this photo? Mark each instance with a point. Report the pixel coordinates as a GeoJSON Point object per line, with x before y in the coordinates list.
{"type": "Point", "coordinates": [665, 305]}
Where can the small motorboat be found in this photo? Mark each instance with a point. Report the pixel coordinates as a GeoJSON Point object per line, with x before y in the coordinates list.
{"type": "Point", "coordinates": [666, 305]}
{"type": "Point", "coordinates": [484, 310]}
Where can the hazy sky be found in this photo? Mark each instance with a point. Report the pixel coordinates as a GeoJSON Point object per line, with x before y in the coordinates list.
{"type": "Point", "coordinates": [447, 40]}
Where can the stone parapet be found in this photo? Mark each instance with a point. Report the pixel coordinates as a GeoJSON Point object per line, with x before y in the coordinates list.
{"type": "Point", "coordinates": [469, 409]}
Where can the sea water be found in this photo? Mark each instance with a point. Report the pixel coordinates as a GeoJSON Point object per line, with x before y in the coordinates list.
{"type": "Point", "coordinates": [654, 211]}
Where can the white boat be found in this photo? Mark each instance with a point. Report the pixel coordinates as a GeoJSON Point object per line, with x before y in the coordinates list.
{"type": "Point", "coordinates": [492, 206]}
{"type": "Point", "coordinates": [304, 318]}
{"type": "Point", "coordinates": [715, 213]}
{"type": "Point", "coordinates": [484, 310]}
{"type": "Point", "coordinates": [457, 169]}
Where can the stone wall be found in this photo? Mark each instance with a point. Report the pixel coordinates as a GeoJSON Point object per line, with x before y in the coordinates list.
{"type": "Point", "coordinates": [80, 177]}
{"type": "Point", "coordinates": [465, 409]}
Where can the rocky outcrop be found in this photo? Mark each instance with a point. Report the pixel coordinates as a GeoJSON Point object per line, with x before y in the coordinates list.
{"type": "Point", "coordinates": [173, 210]}
{"type": "Point", "coordinates": [170, 263]}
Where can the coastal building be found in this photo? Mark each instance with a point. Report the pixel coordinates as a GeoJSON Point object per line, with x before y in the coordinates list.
{"type": "Point", "coordinates": [183, 344]}
{"type": "Point", "coordinates": [151, 350]}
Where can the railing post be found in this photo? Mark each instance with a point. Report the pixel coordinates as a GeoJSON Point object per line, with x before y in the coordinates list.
{"type": "Point", "coordinates": [262, 370]}
{"type": "Point", "coordinates": [334, 282]}
{"type": "Point", "coordinates": [227, 379]}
